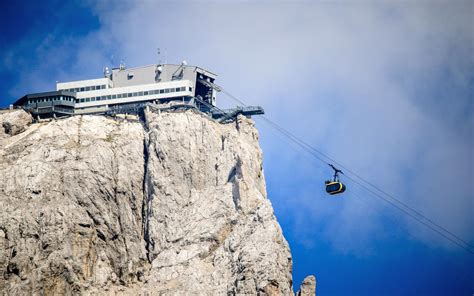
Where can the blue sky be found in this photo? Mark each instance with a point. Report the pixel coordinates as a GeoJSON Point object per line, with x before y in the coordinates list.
{"type": "Point", "coordinates": [386, 88]}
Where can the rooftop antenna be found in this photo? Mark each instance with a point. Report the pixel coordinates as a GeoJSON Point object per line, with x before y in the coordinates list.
{"type": "Point", "coordinates": [112, 61]}
{"type": "Point", "coordinates": [158, 51]}
{"type": "Point", "coordinates": [122, 65]}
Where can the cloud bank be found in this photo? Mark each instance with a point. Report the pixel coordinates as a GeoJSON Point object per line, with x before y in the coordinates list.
{"type": "Point", "coordinates": [386, 89]}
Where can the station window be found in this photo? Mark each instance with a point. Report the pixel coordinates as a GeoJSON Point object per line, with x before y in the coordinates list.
{"type": "Point", "coordinates": [88, 99]}
{"type": "Point", "coordinates": [145, 93]}
{"type": "Point", "coordinates": [162, 91]}
{"type": "Point", "coordinates": [114, 97]}
{"type": "Point", "coordinates": [88, 88]}
{"type": "Point", "coordinates": [129, 95]}
{"type": "Point", "coordinates": [82, 89]}
{"type": "Point", "coordinates": [93, 99]}
{"type": "Point", "coordinates": [103, 86]}
{"type": "Point", "coordinates": [178, 89]}
{"type": "Point", "coordinates": [97, 98]}
{"type": "Point", "coordinates": [140, 93]}
{"type": "Point", "coordinates": [135, 94]}
{"type": "Point", "coordinates": [190, 89]}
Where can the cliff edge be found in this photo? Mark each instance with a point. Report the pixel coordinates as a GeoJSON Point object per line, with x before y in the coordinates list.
{"type": "Point", "coordinates": [177, 205]}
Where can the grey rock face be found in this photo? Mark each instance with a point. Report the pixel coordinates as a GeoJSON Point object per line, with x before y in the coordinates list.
{"type": "Point", "coordinates": [210, 224]}
{"type": "Point", "coordinates": [175, 206]}
{"type": "Point", "coordinates": [71, 198]}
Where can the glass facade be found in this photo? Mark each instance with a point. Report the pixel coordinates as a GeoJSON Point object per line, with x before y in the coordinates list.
{"type": "Point", "coordinates": [50, 99]}
{"type": "Point", "coordinates": [86, 88]}
{"type": "Point", "coordinates": [134, 94]}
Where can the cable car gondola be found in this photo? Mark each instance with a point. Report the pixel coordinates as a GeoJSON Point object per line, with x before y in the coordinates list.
{"type": "Point", "coordinates": [334, 186]}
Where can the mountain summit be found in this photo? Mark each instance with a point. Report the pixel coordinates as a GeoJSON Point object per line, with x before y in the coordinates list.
{"type": "Point", "coordinates": [172, 205]}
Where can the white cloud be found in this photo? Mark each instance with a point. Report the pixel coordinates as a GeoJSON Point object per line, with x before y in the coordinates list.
{"type": "Point", "coordinates": [384, 88]}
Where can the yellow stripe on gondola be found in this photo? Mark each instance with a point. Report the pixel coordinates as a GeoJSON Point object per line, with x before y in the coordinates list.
{"type": "Point", "coordinates": [336, 191]}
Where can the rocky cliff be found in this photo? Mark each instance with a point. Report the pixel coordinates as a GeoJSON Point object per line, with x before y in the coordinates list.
{"type": "Point", "coordinates": [174, 205]}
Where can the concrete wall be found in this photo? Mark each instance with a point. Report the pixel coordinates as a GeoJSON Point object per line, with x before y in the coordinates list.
{"type": "Point", "coordinates": [148, 74]}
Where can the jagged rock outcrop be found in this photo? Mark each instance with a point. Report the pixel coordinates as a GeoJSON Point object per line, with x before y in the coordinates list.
{"type": "Point", "coordinates": [174, 206]}
{"type": "Point", "coordinates": [308, 286]}
{"type": "Point", "coordinates": [12, 123]}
